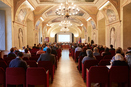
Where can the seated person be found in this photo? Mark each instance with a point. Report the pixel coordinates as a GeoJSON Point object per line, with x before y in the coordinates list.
{"type": "Point", "coordinates": [89, 56]}
{"type": "Point", "coordinates": [106, 52]}
{"type": "Point", "coordinates": [47, 56]}
{"type": "Point", "coordinates": [40, 51]}
{"type": "Point", "coordinates": [83, 53]}
{"type": "Point", "coordinates": [119, 61]}
{"type": "Point", "coordinates": [128, 50]}
{"type": "Point", "coordinates": [18, 61]}
{"type": "Point", "coordinates": [111, 47]}
{"type": "Point", "coordinates": [28, 47]}
{"type": "Point", "coordinates": [78, 48]}
{"type": "Point", "coordinates": [27, 53]}
{"type": "Point", "coordinates": [118, 51]}
{"type": "Point", "coordinates": [128, 59]}
{"type": "Point", "coordinates": [11, 53]}
{"type": "Point", "coordinates": [96, 52]}
{"type": "Point", "coordinates": [35, 46]}
{"type": "Point", "coordinates": [23, 49]}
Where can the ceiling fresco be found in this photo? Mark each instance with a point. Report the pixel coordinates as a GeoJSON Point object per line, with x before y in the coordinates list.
{"type": "Point", "coordinates": [71, 19]}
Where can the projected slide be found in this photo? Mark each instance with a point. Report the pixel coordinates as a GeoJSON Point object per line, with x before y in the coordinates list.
{"type": "Point", "coordinates": [64, 38]}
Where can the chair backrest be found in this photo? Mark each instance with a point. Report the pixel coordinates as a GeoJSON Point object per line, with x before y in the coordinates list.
{"type": "Point", "coordinates": [97, 74]}
{"type": "Point", "coordinates": [99, 58]}
{"type": "Point", "coordinates": [119, 74]}
{"type": "Point", "coordinates": [79, 63]}
{"type": "Point", "coordinates": [8, 58]}
{"type": "Point", "coordinates": [25, 58]}
{"type": "Point", "coordinates": [31, 63]}
{"type": "Point", "coordinates": [37, 76]}
{"type": "Point", "coordinates": [112, 52]}
{"type": "Point", "coordinates": [15, 76]}
{"type": "Point", "coordinates": [48, 66]}
{"type": "Point", "coordinates": [87, 64]}
{"type": "Point", "coordinates": [104, 62]}
{"type": "Point", "coordinates": [2, 76]}
{"type": "Point", "coordinates": [76, 55]}
{"type": "Point", "coordinates": [107, 57]}
{"type": "Point", "coordinates": [3, 64]}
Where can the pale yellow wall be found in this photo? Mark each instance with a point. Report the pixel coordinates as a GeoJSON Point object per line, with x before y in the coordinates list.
{"type": "Point", "coordinates": [30, 33]}
{"type": "Point", "coordinates": [101, 32]}
{"type": "Point", "coordinates": [89, 33]}
{"type": "Point", "coordinates": [127, 26]}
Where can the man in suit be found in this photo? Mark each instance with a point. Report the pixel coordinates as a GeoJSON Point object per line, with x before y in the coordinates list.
{"type": "Point", "coordinates": [47, 56]}
{"type": "Point", "coordinates": [18, 61]}
{"type": "Point", "coordinates": [128, 50]}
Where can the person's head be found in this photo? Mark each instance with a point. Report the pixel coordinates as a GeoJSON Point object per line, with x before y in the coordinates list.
{"type": "Point", "coordinates": [95, 49]}
{"type": "Point", "coordinates": [34, 44]}
{"type": "Point", "coordinates": [48, 50]}
{"type": "Point", "coordinates": [12, 49]}
{"type": "Point", "coordinates": [89, 53]}
{"type": "Point", "coordinates": [106, 49]}
{"type": "Point", "coordinates": [119, 57]}
{"type": "Point", "coordinates": [111, 46]}
{"type": "Point", "coordinates": [23, 47]}
{"type": "Point", "coordinates": [129, 48]}
{"type": "Point", "coordinates": [27, 46]}
{"type": "Point", "coordinates": [26, 50]}
{"type": "Point", "coordinates": [20, 55]}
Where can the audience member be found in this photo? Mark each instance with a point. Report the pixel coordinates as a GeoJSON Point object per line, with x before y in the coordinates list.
{"type": "Point", "coordinates": [118, 51]}
{"type": "Point", "coordinates": [18, 61]}
{"type": "Point", "coordinates": [35, 46]}
{"type": "Point", "coordinates": [28, 47]}
{"type": "Point", "coordinates": [47, 46]}
{"type": "Point", "coordinates": [106, 52]}
{"type": "Point", "coordinates": [128, 59]}
{"type": "Point", "coordinates": [23, 49]}
{"type": "Point", "coordinates": [128, 50]}
{"type": "Point", "coordinates": [83, 53]}
{"type": "Point", "coordinates": [111, 47]}
{"type": "Point", "coordinates": [78, 48]}
{"type": "Point", "coordinates": [119, 61]}
{"type": "Point", "coordinates": [89, 56]}
{"type": "Point", "coordinates": [40, 51]}
{"type": "Point", "coordinates": [27, 53]}
{"type": "Point", "coordinates": [47, 56]}
{"type": "Point", "coordinates": [11, 53]}
{"type": "Point", "coordinates": [96, 52]}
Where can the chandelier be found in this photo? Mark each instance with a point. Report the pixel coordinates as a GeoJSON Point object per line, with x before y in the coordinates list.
{"type": "Point", "coordinates": [67, 10]}
{"type": "Point", "coordinates": [65, 23]}
{"type": "Point", "coordinates": [64, 29]}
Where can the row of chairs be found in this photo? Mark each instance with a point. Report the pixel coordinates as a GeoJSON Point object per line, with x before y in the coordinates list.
{"type": "Point", "coordinates": [106, 78]}
{"type": "Point", "coordinates": [101, 61]}
{"type": "Point", "coordinates": [18, 76]}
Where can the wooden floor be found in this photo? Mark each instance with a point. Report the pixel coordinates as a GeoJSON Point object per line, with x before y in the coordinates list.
{"type": "Point", "coordinates": [67, 74]}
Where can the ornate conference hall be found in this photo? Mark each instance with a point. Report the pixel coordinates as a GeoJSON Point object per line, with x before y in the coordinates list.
{"type": "Point", "coordinates": [65, 22]}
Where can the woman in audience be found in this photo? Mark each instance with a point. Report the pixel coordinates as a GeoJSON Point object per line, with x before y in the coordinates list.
{"type": "Point", "coordinates": [119, 61]}
{"type": "Point", "coordinates": [27, 53]}
{"type": "Point", "coordinates": [106, 52]}
{"type": "Point", "coordinates": [89, 56]}
{"type": "Point", "coordinates": [128, 59]}
{"type": "Point", "coordinates": [118, 51]}
{"type": "Point", "coordinates": [11, 53]}
{"type": "Point", "coordinates": [96, 52]}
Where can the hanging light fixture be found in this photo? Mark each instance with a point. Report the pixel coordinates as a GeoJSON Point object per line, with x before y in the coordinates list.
{"type": "Point", "coordinates": [64, 29]}
{"type": "Point", "coordinates": [67, 10]}
{"type": "Point", "coordinates": [65, 23]}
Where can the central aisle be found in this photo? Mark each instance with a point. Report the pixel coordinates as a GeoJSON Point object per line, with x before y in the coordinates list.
{"type": "Point", "coordinates": [67, 74]}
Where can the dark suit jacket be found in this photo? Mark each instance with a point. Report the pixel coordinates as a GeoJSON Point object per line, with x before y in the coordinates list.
{"type": "Point", "coordinates": [119, 63]}
{"type": "Point", "coordinates": [18, 62]}
{"type": "Point", "coordinates": [11, 54]}
{"type": "Point", "coordinates": [47, 57]}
